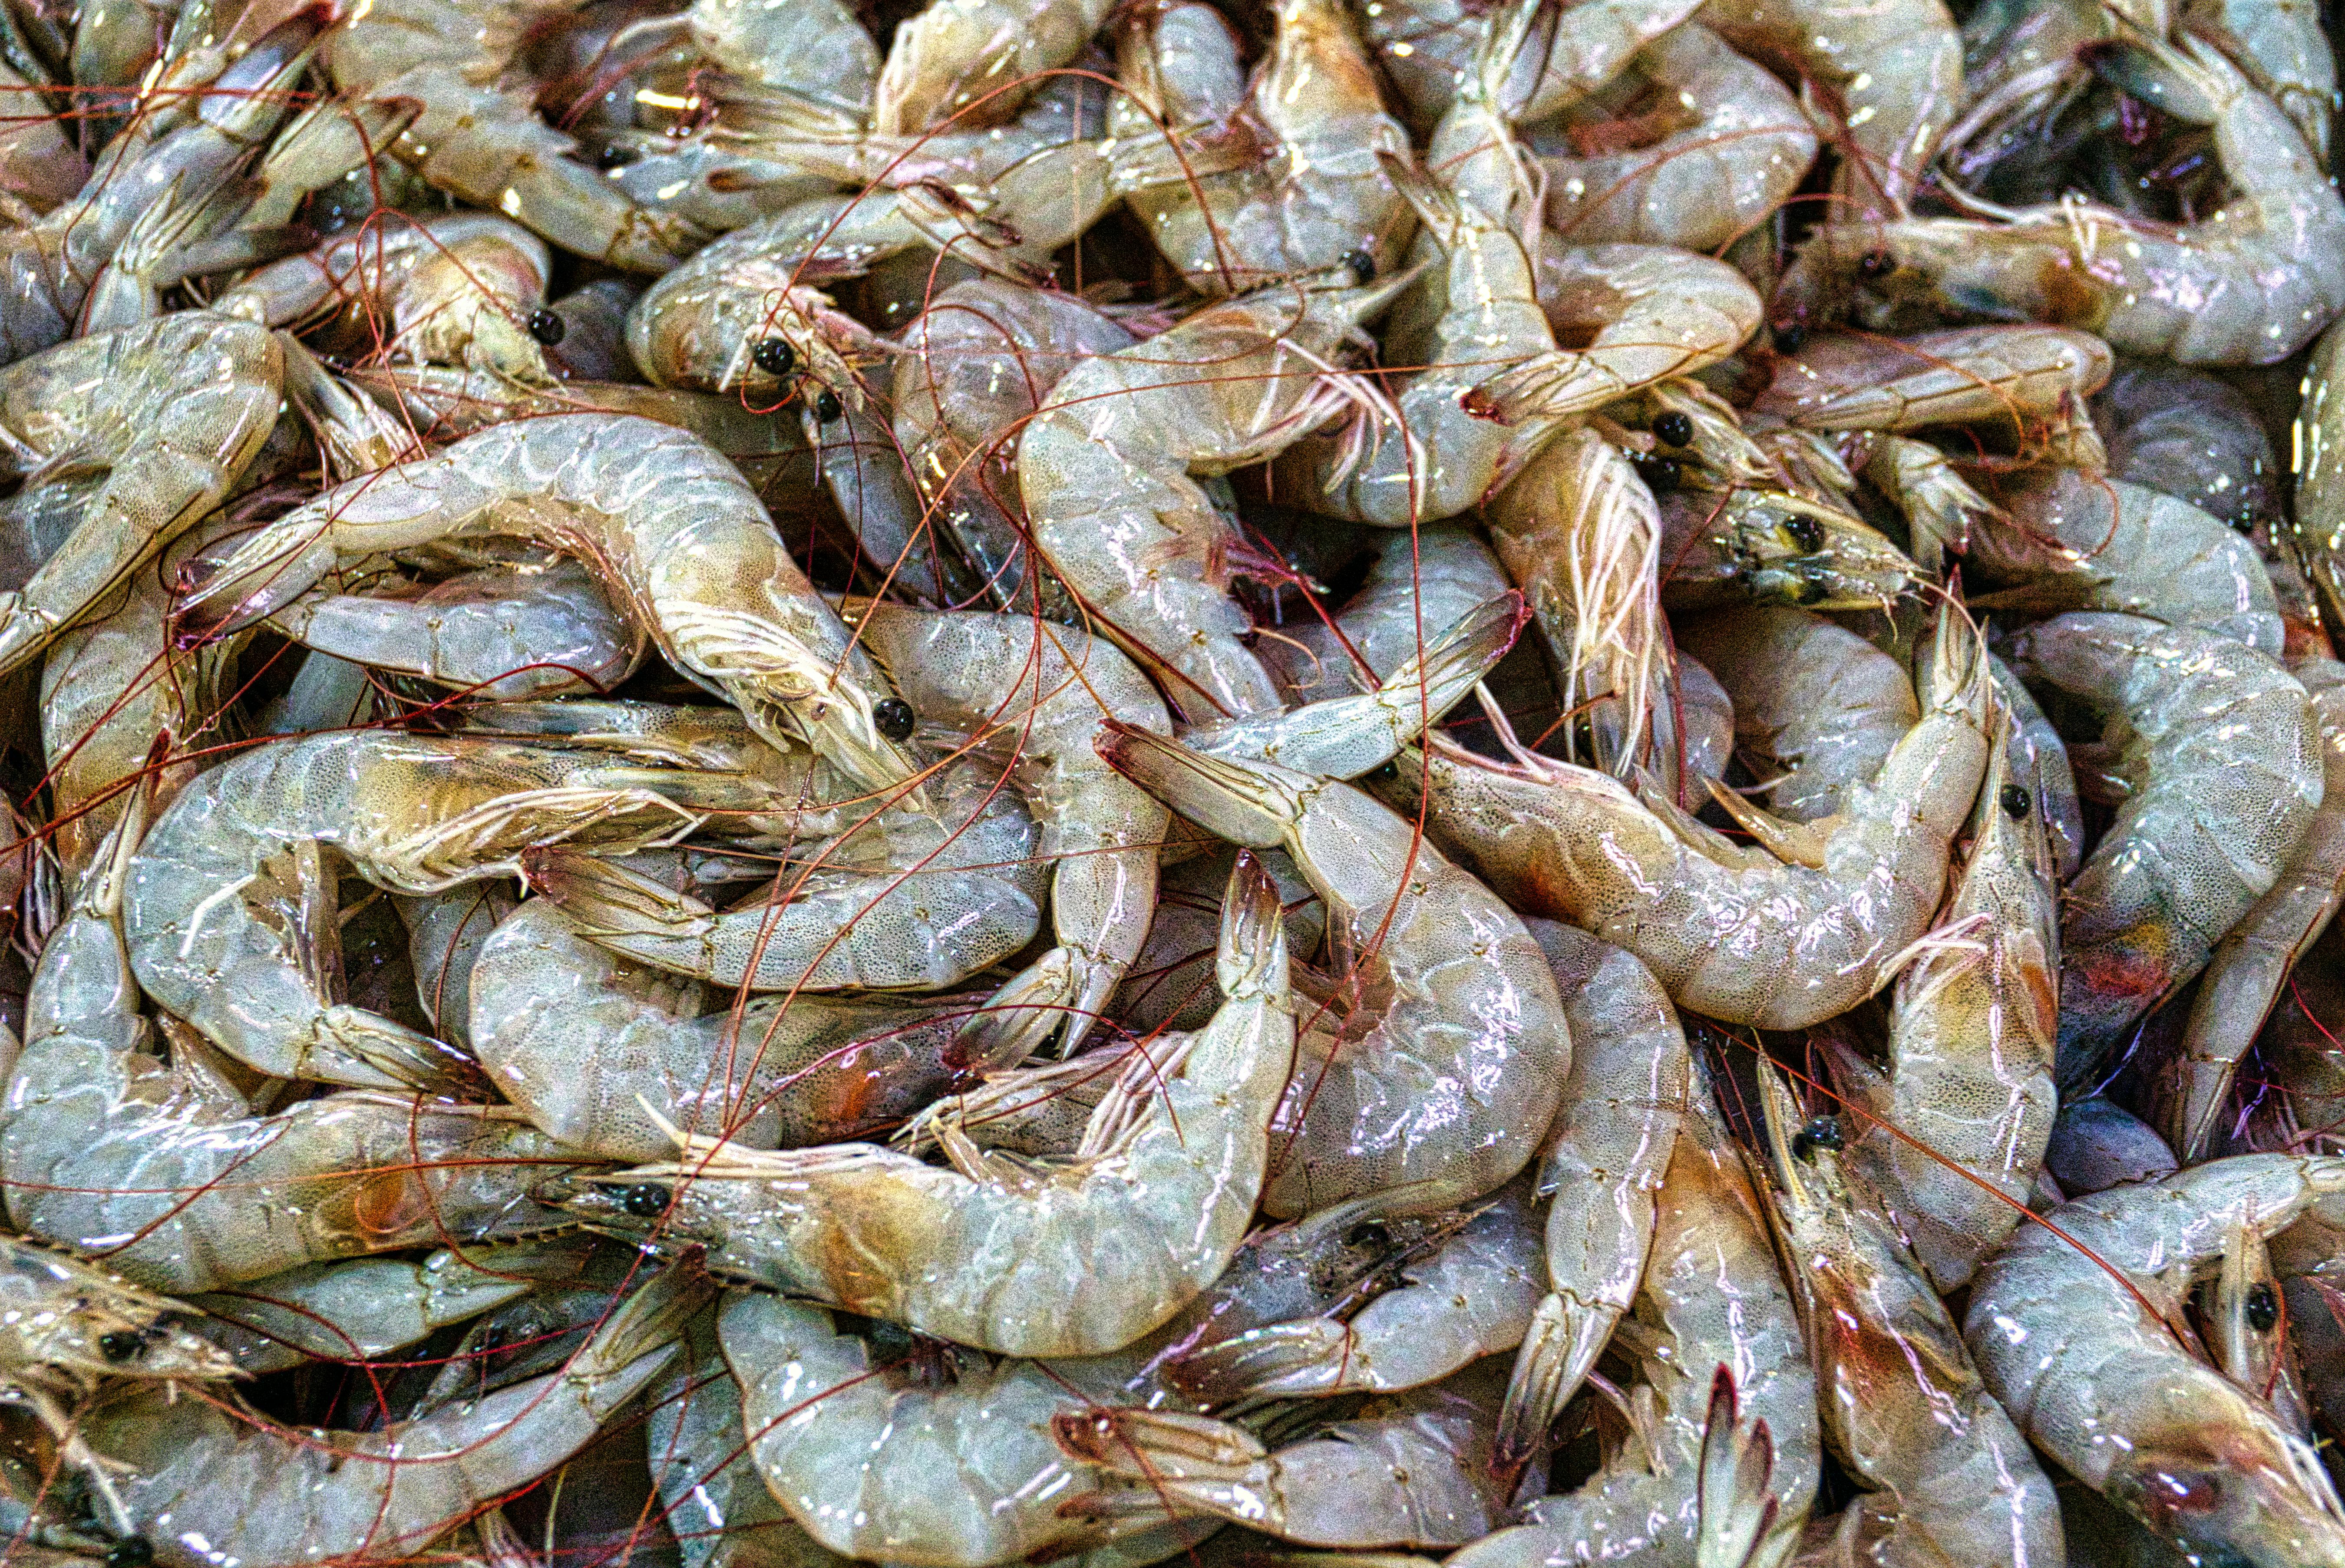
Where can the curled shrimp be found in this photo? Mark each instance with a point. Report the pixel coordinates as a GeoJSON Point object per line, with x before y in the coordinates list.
{"type": "Point", "coordinates": [229, 888]}
{"type": "Point", "coordinates": [667, 525]}
{"type": "Point", "coordinates": [461, 289]}
{"type": "Point", "coordinates": [601, 1053]}
{"type": "Point", "coordinates": [174, 411]}
{"type": "Point", "coordinates": [1440, 1064]}
{"type": "Point", "coordinates": [2247, 284]}
{"type": "Point", "coordinates": [1952, 1481]}
{"type": "Point", "coordinates": [1732, 146]}
{"type": "Point", "coordinates": [996, 1253]}
{"type": "Point", "coordinates": [2070, 1330]}
{"type": "Point", "coordinates": [2248, 968]}
{"type": "Point", "coordinates": [1731, 1393]}
{"type": "Point", "coordinates": [2220, 755]}
{"type": "Point", "coordinates": [1731, 931]}
{"type": "Point", "coordinates": [1311, 190]}
{"type": "Point", "coordinates": [1106, 469]}
{"type": "Point", "coordinates": [166, 1172]}
{"type": "Point", "coordinates": [960, 60]}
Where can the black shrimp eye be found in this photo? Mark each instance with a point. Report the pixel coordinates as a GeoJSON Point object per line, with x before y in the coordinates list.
{"type": "Point", "coordinates": [827, 408]}
{"type": "Point", "coordinates": [1363, 265]}
{"type": "Point", "coordinates": [122, 1345]}
{"type": "Point", "coordinates": [645, 1201]}
{"type": "Point", "coordinates": [1873, 263]}
{"type": "Point", "coordinates": [130, 1551]}
{"type": "Point", "coordinates": [893, 716]}
{"type": "Point", "coordinates": [1806, 532]}
{"type": "Point", "coordinates": [1822, 1132]}
{"type": "Point", "coordinates": [547, 328]}
{"type": "Point", "coordinates": [775, 357]}
{"type": "Point", "coordinates": [1662, 475]}
{"type": "Point", "coordinates": [1386, 773]}
{"type": "Point", "coordinates": [1789, 336]}
{"type": "Point", "coordinates": [1674, 430]}
{"type": "Point", "coordinates": [2263, 1307]}
{"type": "Point", "coordinates": [2015, 803]}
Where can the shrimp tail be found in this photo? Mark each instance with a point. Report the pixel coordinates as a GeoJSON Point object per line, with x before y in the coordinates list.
{"type": "Point", "coordinates": [606, 900]}
{"type": "Point", "coordinates": [1252, 805]}
{"type": "Point", "coordinates": [1737, 1510]}
{"type": "Point", "coordinates": [1565, 1337]}
{"type": "Point", "coordinates": [1251, 962]}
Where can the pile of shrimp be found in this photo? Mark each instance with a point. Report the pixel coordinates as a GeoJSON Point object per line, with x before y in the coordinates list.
{"type": "Point", "coordinates": [1108, 782]}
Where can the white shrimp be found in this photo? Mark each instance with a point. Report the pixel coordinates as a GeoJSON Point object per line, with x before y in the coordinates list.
{"type": "Point", "coordinates": [2218, 749]}
{"type": "Point", "coordinates": [664, 521]}
{"type": "Point", "coordinates": [169, 1177]}
{"type": "Point", "coordinates": [2250, 284]}
{"type": "Point", "coordinates": [228, 891]}
{"type": "Point", "coordinates": [1106, 469]}
{"type": "Point", "coordinates": [173, 410]}
{"type": "Point", "coordinates": [1956, 1134]}
{"type": "Point", "coordinates": [1440, 1060]}
{"type": "Point", "coordinates": [998, 1252]}
{"type": "Point", "coordinates": [207, 1481]}
{"type": "Point", "coordinates": [1730, 930]}
{"type": "Point", "coordinates": [603, 1055]}
{"type": "Point", "coordinates": [2069, 1324]}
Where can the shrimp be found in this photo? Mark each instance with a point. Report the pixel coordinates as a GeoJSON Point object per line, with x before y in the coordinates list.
{"type": "Point", "coordinates": [1977, 375]}
{"type": "Point", "coordinates": [1105, 470]}
{"type": "Point", "coordinates": [1891, 75]}
{"type": "Point", "coordinates": [2077, 541]}
{"type": "Point", "coordinates": [1713, 1301]}
{"type": "Point", "coordinates": [178, 1186]}
{"type": "Point", "coordinates": [1606, 1157]}
{"type": "Point", "coordinates": [1769, 546]}
{"type": "Point", "coordinates": [2097, 1144]}
{"type": "Point", "coordinates": [1820, 705]}
{"type": "Point", "coordinates": [1443, 1059]}
{"type": "Point", "coordinates": [1730, 931]}
{"type": "Point", "coordinates": [1971, 1044]}
{"type": "Point", "coordinates": [1009, 680]}
{"type": "Point", "coordinates": [225, 895]}
{"type": "Point", "coordinates": [872, 1459]}
{"type": "Point", "coordinates": [2218, 749]}
{"type": "Point", "coordinates": [601, 1054]}
{"type": "Point", "coordinates": [962, 60]}
{"type": "Point", "coordinates": [109, 686]}
{"type": "Point", "coordinates": [995, 1252]}
{"type": "Point", "coordinates": [1407, 1470]}
{"type": "Point", "coordinates": [55, 265]}
{"type": "Point", "coordinates": [814, 59]}
{"type": "Point", "coordinates": [1650, 314]}
{"type": "Point", "coordinates": [713, 1501]}
{"type": "Point", "coordinates": [2242, 1308]}
{"type": "Point", "coordinates": [2247, 284]}
{"type": "Point", "coordinates": [2039, 761]}
{"type": "Point", "coordinates": [67, 1325]}
{"type": "Point", "coordinates": [2249, 965]}
{"type": "Point", "coordinates": [483, 145]}
{"type": "Point", "coordinates": [467, 288]}
{"type": "Point", "coordinates": [976, 363]}
{"type": "Point", "coordinates": [173, 411]}
{"type": "Point", "coordinates": [2280, 45]}
{"type": "Point", "coordinates": [2319, 452]}
{"type": "Point", "coordinates": [1433, 458]}
{"type": "Point", "coordinates": [205, 1481]}
{"type": "Point", "coordinates": [2201, 440]}
{"type": "Point", "coordinates": [2070, 1332]}
{"type": "Point", "coordinates": [1725, 148]}
{"type": "Point", "coordinates": [1417, 581]}
{"type": "Point", "coordinates": [1313, 190]}
{"type": "Point", "coordinates": [1953, 1481]}
{"type": "Point", "coordinates": [907, 899]}
{"type": "Point", "coordinates": [664, 521]}
{"type": "Point", "coordinates": [503, 633]}
{"type": "Point", "coordinates": [359, 1308]}
{"type": "Point", "coordinates": [1469, 1297]}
